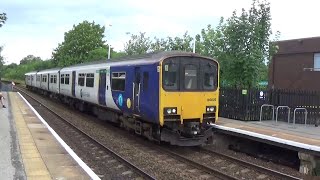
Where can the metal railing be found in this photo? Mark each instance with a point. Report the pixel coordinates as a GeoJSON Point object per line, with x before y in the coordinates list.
{"type": "Point", "coordinates": [305, 115]}
{"type": "Point", "coordinates": [266, 105]}
{"type": "Point", "coordinates": [287, 107]}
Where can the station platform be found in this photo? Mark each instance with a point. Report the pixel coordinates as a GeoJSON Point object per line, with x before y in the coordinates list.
{"type": "Point", "coordinates": [304, 139]}
{"type": "Point", "coordinates": [30, 149]}
{"type": "Point", "coordinates": [298, 137]}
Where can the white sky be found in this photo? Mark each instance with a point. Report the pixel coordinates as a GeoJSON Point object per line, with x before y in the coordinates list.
{"type": "Point", "coordinates": [36, 26]}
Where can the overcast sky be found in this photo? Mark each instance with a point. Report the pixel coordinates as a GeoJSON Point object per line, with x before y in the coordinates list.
{"type": "Point", "coordinates": [37, 26]}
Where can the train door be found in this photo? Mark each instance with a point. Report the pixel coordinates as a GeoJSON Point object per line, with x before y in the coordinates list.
{"type": "Point", "coordinates": [102, 87]}
{"type": "Point", "coordinates": [136, 89]}
{"type": "Point", "coordinates": [73, 84]}
{"type": "Point", "coordinates": [48, 81]}
{"type": "Point", "coordinates": [40, 81]}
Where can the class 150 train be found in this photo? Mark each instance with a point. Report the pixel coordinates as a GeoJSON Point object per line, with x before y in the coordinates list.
{"type": "Point", "coordinates": [165, 96]}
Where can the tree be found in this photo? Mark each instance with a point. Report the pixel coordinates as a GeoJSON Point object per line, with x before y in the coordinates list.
{"type": "Point", "coordinates": [78, 42]}
{"type": "Point", "coordinates": [241, 44]}
{"type": "Point", "coordinates": [29, 59]}
{"type": "Point", "coordinates": [138, 44]}
{"type": "Point", "coordinates": [3, 18]}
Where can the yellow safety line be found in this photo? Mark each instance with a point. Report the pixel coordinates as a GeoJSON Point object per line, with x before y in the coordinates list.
{"type": "Point", "coordinates": [34, 166]}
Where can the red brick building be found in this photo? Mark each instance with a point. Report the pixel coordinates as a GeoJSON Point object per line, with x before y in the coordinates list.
{"type": "Point", "coordinates": [296, 65]}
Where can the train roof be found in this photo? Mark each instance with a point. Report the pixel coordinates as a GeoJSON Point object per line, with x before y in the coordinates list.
{"type": "Point", "coordinates": [53, 70]}
{"type": "Point", "coordinates": [30, 73]}
{"type": "Point", "coordinates": [149, 58]}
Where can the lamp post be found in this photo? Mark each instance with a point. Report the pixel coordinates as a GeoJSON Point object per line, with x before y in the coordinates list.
{"type": "Point", "coordinates": [109, 43]}
{"type": "Point", "coordinates": [194, 44]}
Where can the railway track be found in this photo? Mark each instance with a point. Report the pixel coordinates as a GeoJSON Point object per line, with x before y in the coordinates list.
{"type": "Point", "coordinates": [226, 166]}
{"type": "Point", "coordinates": [196, 166]}
{"type": "Point", "coordinates": [261, 169]}
{"type": "Point", "coordinates": [111, 165]}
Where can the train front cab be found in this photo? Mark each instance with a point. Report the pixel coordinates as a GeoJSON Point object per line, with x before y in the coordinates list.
{"type": "Point", "coordinates": [189, 97]}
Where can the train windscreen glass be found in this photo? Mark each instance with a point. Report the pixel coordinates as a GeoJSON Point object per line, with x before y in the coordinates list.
{"type": "Point", "coordinates": [170, 76]}
{"type": "Point", "coordinates": [189, 74]}
{"type": "Point", "coordinates": [190, 77]}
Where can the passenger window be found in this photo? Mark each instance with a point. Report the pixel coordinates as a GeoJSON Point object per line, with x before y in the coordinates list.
{"type": "Point", "coordinates": [145, 80]}
{"type": "Point", "coordinates": [67, 77]}
{"type": "Point", "coordinates": [90, 80]}
{"type": "Point", "coordinates": [55, 79]}
{"type": "Point", "coordinates": [118, 81]}
{"type": "Point", "coordinates": [170, 74]}
{"type": "Point", "coordinates": [190, 77]}
{"type": "Point", "coordinates": [44, 78]}
{"type": "Point", "coordinates": [62, 79]}
{"type": "Point", "coordinates": [81, 79]}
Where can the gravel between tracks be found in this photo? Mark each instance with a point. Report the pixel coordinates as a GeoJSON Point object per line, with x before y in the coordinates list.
{"type": "Point", "coordinates": [130, 146]}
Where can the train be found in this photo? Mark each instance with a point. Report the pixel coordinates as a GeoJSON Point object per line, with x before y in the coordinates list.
{"type": "Point", "coordinates": [170, 96]}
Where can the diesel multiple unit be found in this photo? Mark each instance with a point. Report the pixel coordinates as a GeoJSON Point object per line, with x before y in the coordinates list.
{"type": "Point", "coordinates": [167, 96]}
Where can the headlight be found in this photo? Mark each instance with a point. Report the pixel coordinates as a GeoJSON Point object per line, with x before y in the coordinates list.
{"type": "Point", "coordinates": [210, 109]}
{"type": "Point", "coordinates": [170, 110]}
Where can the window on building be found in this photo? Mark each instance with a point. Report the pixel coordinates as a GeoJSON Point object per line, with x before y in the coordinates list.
{"type": "Point", "coordinates": [67, 78]}
{"type": "Point", "coordinates": [118, 81]}
{"type": "Point", "coordinates": [81, 79]}
{"type": "Point", "coordinates": [316, 63]}
{"type": "Point", "coordinates": [90, 80]}
{"type": "Point", "coordinates": [62, 78]}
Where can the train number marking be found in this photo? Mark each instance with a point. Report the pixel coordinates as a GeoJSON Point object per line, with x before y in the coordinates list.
{"type": "Point", "coordinates": [211, 99]}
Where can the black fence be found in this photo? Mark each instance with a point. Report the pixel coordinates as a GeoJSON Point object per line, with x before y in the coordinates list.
{"type": "Point", "coordinates": [245, 104]}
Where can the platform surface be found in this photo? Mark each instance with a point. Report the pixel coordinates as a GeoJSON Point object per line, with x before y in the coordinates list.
{"type": "Point", "coordinates": [28, 149]}
{"type": "Point", "coordinates": [299, 135]}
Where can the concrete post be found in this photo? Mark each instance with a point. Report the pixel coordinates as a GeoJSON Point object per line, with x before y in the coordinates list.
{"type": "Point", "coordinates": [309, 164]}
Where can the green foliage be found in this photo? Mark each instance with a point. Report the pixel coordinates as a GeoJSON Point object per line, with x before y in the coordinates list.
{"type": "Point", "coordinates": [241, 44]}
{"type": "Point", "coordinates": [29, 63]}
{"type": "Point", "coordinates": [78, 43]}
{"type": "Point", "coordinates": [3, 18]}
{"type": "Point", "coordinates": [138, 44]}
{"type": "Point", "coordinates": [1, 61]}
{"type": "Point", "coordinates": [30, 59]}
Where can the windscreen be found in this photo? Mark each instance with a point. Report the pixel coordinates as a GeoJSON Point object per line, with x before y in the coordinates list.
{"type": "Point", "coordinates": [189, 74]}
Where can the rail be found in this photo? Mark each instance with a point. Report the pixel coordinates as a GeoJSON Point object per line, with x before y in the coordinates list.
{"type": "Point", "coordinates": [278, 111]}
{"type": "Point", "coordinates": [305, 115]}
{"type": "Point", "coordinates": [116, 155]}
{"type": "Point", "coordinates": [266, 105]}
